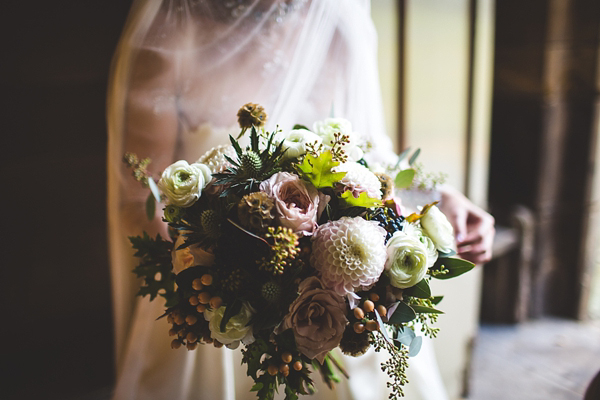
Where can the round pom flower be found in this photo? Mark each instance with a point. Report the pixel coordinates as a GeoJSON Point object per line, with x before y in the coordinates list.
{"type": "Point", "coordinates": [350, 254]}
{"type": "Point", "coordinates": [236, 329]}
{"type": "Point", "coordinates": [182, 183]}
{"type": "Point", "coordinates": [328, 127]}
{"type": "Point", "coordinates": [317, 317]}
{"type": "Point", "coordinates": [438, 228]}
{"type": "Point", "coordinates": [296, 201]}
{"type": "Point", "coordinates": [215, 158]}
{"type": "Point", "coordinates": [359, 179]}
{"type": "Point", "coordinates": [296, 141]}
{"type": "Point", "coordinates": [407, 260]}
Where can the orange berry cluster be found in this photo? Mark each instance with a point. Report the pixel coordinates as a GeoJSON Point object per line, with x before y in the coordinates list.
{"type": "Point", "coordinates": [190, 327]}
{"type": "Point", "coordinates": [284, 367]}
{"type": "Point", "coordinates": [362, 314]}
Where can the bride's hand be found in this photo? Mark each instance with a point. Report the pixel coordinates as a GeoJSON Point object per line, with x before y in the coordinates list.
{"type": "Point", "coordinates": [473, 227]}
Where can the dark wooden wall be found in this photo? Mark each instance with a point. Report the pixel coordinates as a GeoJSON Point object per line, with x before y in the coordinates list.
{"type": "Point", "coordinates": [544, 128]}
{"type": "Point", "coordinates": [55, 305]}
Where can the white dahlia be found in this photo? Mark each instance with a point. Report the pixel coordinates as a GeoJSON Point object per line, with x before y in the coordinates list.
{"type": "Point", "coordinates": [215, 158]}
{"type": "Point", "coordinates": [359, 179]}
{"type": "Point", "coordinates": [349, 253]}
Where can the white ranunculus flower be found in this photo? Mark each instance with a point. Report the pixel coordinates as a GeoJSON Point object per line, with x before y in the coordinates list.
{"type": "Point", "coordinates": [438, 228]}
{"type": "Point", "coordinates": [236, 328]}
{"type": "Point", "coordinates": [295, 141]}
{"type": "Point", "coordinates": [328, 127]}
{"type": "Point", "coordinates": [416, 231]}
{"type": "Point", "coordinates": [190, 256]}
{"type": "Point", "coordinates": [407, 260]}
{"type": "Point", "coordinates": [182, 183]}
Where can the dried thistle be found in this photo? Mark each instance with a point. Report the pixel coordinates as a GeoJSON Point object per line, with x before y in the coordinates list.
{"type": "Point", "coordinates": [250, 115]}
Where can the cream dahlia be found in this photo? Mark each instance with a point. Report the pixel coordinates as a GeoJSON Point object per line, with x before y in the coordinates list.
{"type": "Point", "coordinates": [215, 158]}
{"type": "Point", "coordinates": [359, 179]}
{"type": "Point", "coordinates": [349, 253]}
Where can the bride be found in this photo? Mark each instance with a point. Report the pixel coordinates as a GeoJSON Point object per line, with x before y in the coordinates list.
{"type": "Point", "coordinates": [181, 71]}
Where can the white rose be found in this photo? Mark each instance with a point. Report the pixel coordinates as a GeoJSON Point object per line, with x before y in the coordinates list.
{"type": "Point", "coordinates": [438, 228]}
{"type": "Point", "coordinates": [296, 140]}
{"type": "Point", "coordinates": [328, 127]}
{"type": "Point", "coordinates": [182, 183]}
{"type": "Point", "coordinates": [236, 328]}
{"type": "Point", "coordinates": [416, 231]}
{"type": "Point", "coordinates": [189, 256]}
{"type": "Point", "coordinates": [407, 260]}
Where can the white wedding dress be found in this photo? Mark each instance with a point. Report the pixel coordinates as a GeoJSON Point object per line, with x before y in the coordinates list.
{"type": "Point", "coordinates": [181, 71]}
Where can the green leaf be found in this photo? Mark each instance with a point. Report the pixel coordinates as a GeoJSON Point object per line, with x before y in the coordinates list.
{"type": "Point", "coordinates": [256, 387]}
{"type": "Point", "coordinates": [150, 207]}
{"type": "Point", "coordinates": [415, 346]}
{"type": "Point", "coordinates": [299, 126]}
{"type": "Point", "coordinates": [318, 170]}
{"type": "Point", "coordinates": [231, 310]}
{"type": "Point", "coordinates": [363, 200]}
{"type": "Point", "coordinates": [382, 328]}
{"type": "Point", "coordinates": [425, 310]}
{"type": "Point", "coordinates": [436, 300]}
{"type": "Point", "coordinates": [455, 266]}
{"type": "Point", "coordinates": [421, 290]}
{"type": "Point", "coordinates": [404, 178]}
{"type": "Point", "coordinates": [405, 336]}
{"type": "Point", "coordinates": [413, 158]}
{"type": "Point", "coordinates": [401, 157]}
{"type": "Point", "coordinates": [403, 313]}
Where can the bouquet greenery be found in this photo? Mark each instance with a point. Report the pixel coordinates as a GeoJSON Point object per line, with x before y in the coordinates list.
{"type": "Point", "coordinates": [292, 246]}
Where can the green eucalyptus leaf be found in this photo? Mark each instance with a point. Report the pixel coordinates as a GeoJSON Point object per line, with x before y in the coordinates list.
{"type": "Point", "coordinates": [404, 178]}
{"type": "Point", "coordinates": [150, 207]}
{"type": "Point", "coordinates": [425, 310]}
{"type": "Point", "coordinates": [421, 290]}
{"type": "Point", "coordinates": [455, 266]}
{"type": "Point", "coordinates": [405, 336]}
{"type": "Point", "coordinates": [415, 346]}
{"type": "Point", "coordinates": [403, 313]}
{"type": "Point", "coordinates": [402, 156]}
{"type": "Point", "coordinates": [413, 158]}
{"type": "Point", "coordinates": [153, 188]}
{"type": "Point", "coordinates": [382, 328]}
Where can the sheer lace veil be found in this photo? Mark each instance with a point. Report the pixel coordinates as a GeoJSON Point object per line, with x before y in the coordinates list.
{"type": "Point", "coordinates": [183, 68]}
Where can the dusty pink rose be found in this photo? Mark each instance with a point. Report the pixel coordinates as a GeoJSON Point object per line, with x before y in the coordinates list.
{"type": "Point", "coordinates": [318, 319]}
{"type": "Point", "coordinates": [296, 201]}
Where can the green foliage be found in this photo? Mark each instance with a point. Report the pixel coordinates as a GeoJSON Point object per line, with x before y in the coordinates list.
{"type": "Point", "coordinates": [299, 126]}
{"type": "Point", "coordinates": [363, 200]}
{"type": "Point", "coordinates": [252, 355]}
{"type": "Point", "coordinates": [425, 310]}
{"type": "Point", "coordinates": [155, 255]}
{"type": "Point", "coordinates": [317, 170]}
{"type": "Point", "coordinates": [413, 158]}
{"type": "Point", "coordinates": [150, 207]}
{"type": "Point", "coordinates": [404, 178]}
{"type": "Point", "coordinates": [401, 314]}
{"type": "Point", "coordinates": [241, 179]}
{"type": "Point", "coordinates": [395, 367]}
{"type": "Point", "coordinates": [454, 266]}
{"type": "Point", "coordinates": [420, 290]}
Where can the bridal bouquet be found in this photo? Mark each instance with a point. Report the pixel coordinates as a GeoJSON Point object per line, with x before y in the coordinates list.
{"type": "Point", "coordinates": [291, 246]}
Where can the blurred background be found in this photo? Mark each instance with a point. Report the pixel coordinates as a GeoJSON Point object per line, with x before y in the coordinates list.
{"type": "Point", "coordinates": [503, 96]}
